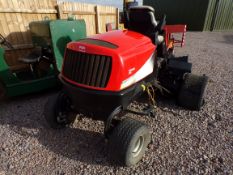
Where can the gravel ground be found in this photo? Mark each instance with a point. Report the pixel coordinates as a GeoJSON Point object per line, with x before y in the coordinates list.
{"type": "Point", "coordinates": [184, 142]}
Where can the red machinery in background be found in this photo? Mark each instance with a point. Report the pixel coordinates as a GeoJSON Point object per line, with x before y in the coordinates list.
{"type": "Point", "coordinates": [174, 29]}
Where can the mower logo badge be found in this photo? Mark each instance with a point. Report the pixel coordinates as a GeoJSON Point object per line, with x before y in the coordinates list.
{"type": "Point", "coordinates": [131, 70]}
{"type": "Point", "coordinates": [82, 48]}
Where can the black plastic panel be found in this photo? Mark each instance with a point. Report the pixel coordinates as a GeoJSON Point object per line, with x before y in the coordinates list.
{"type": "Point", "coordinates": [88, 69]}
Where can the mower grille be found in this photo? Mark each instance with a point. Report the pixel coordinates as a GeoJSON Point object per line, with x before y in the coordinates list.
{"type": "Point", "coordinates": [88, 69]}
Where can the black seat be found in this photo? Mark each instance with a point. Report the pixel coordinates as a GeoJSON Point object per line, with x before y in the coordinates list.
{"type": "Point", "coordinates": [31, 58]}
{"type": "Point", "coordinates": [142, 20]}
{"type": "Point", "coordinates": [37, 55]}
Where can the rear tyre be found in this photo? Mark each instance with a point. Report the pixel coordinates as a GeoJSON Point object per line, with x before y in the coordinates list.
{"type": "Point", "coordinates": [128, 142]}
{"type": "Point", "coordinates": [58, 111]}
{"type": "Point", "coordinates": [191, 95]}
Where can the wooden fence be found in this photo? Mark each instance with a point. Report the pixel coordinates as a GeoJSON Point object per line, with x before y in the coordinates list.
{"type": "Point", "coordinates": [96, 16]}
{"type": "Point", "coordinates": [15, 16]}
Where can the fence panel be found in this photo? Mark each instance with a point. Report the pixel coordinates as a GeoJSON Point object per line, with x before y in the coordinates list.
{"type": "Point", "coordinates": [108, 15]}
{"type": "Point", "coordinates": [95, 16]}
{"type": "Point", "coordinates": [224, 16]}
{"type": "Point", "coordinates": [79, 11]}
{"type": "Point", "coordinates": [15, 17]}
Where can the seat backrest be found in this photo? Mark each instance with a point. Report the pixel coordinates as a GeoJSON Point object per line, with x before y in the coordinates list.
{"type": "Point", "coordinates": [142, 20]}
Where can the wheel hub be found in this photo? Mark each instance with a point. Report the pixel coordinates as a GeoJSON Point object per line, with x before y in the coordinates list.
{"type": "Point", "coordinates": [138, 146]}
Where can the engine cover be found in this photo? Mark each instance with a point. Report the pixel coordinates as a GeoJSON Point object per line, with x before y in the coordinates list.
{"type": "Point", "coordinates": [111, 61]}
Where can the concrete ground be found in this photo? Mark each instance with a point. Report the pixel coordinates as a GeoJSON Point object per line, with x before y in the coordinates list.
{"type": "Point", "coordinates": [184, 142]}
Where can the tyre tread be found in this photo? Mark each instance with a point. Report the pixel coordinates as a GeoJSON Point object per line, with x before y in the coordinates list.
{"type": "Point", "coordinates": [121, 138]}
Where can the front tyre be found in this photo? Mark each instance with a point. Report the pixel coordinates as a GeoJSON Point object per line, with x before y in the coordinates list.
{"type": "Point", "coordinates": [128, 142]}
{"type": "Point", "coordinates": [57, 111]}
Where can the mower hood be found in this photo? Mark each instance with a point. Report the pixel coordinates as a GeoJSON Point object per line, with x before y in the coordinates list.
{"type": "Point", "coordinates": [124, 39]}
{"type": "Point", "coordinates": [119, 41]}
{"type": "Point", "coordinates": [126, 56]}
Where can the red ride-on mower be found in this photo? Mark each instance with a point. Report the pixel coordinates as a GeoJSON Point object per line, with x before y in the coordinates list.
{"type": "Point", "coordinates": [104, 73]}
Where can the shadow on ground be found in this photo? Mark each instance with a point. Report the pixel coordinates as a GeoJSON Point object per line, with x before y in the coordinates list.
{"type": "Point", "coordinates": [228, 39]}
{"type": "Point", "coordinates": [74, 143]}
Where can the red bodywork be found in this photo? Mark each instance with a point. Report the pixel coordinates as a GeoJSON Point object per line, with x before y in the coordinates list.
{"type": "Point", "coordinates": [132, 53]}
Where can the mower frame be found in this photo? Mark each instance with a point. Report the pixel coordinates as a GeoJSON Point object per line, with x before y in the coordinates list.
{"type": "Point", "coordinates": [129, 58]}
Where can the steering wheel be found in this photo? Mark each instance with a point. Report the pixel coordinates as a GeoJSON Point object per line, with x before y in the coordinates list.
{"type": "Point", "coordinates": [3, 41]}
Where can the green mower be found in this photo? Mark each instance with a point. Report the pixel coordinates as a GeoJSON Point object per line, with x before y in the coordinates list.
{"type": "Point", "coordinates": [40, 68]}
